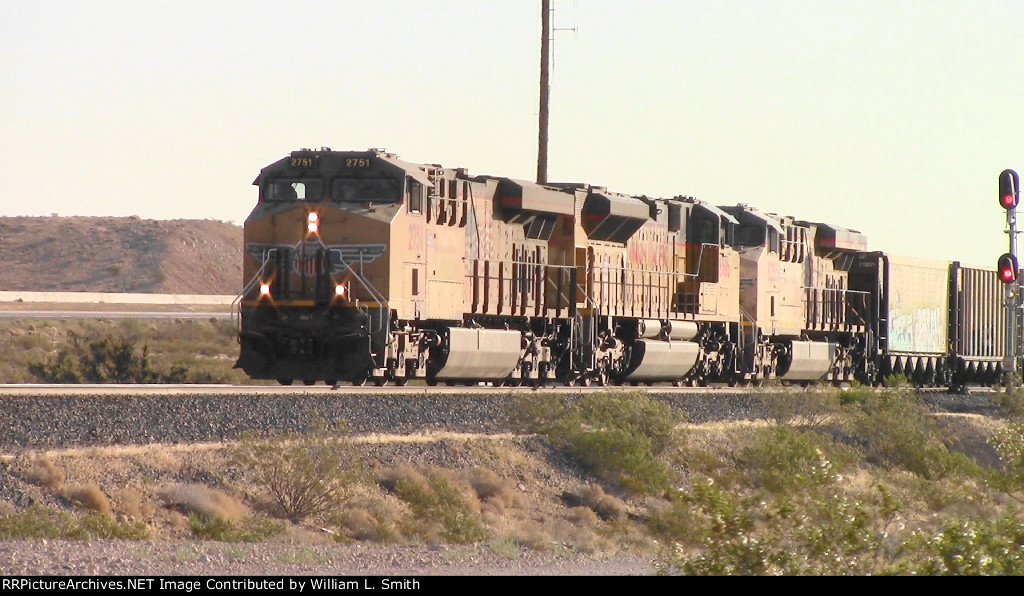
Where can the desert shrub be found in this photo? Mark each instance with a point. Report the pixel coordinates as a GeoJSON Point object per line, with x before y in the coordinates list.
{"type": "Point", "coordinates": [107, 360]}
{"type": "Point", "coordinates": [251, 528]}
{"type": "Point", "coordinates": [895, 429]}
{"type": "Point", "coordinates": [1012, 400]}
{"type": "Point", "coordinates": [496, 495]}
{"type": "Point", "coordinates": [435, 497]}
{"type": "Point", "coordinates": [710, 531]}
{"type": "Point", "coordinates": [488, 485]}
{"type": "Point", "coordinates": [44, 472]}
{"type": "Point", "coordinates": [366, 524]}
{"type": "Point", "coordinates": [189, 351]}
{"type": "Point", "coordinates": [302, 474]}
{"type": "Point", "coordinates": [203, 501]}
{"type": "Point", "coordinates": [969, 547]}
{"type": "Point", "coordinates": [618, 436]}
{"type": "Point", "coordinates": [593, 497]}
{"type": "Point", "coordinates": [1009, 444]}
{"type": "Point", "coordinates": [47, 522]}
{"type": "Point", "coordinates": [783, 459]}
{"type": "Point", "coordinates": [90, 497]}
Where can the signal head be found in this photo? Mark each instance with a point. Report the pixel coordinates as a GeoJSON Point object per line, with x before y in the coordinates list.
{"type": "Point", "coordinates": [1007, 268]}
{"type": "Point", "coordinates": [1009, 189]}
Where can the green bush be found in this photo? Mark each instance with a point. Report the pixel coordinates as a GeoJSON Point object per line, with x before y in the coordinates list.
{"type": "Point", "coordinates": [47, 522]}
{"type": "Point", "coordinates": [969, 547]}
{"type": "Point", "coordinates": [188, 351]}
{"type": "Point", "coordinates": [618, 436]}
{"type": "Point", "coordinates": [1009, 444]}
{"type": "Point", "coordinates": [437, 499]}
{"type": "Point", "coordinates": [896, 430]}
{"type": "Point", "coordinates": [712, 531]}
{"type": "Point", "coordinates": [254, 528]}
{"type": "Point", "coordinates": [783, 459]}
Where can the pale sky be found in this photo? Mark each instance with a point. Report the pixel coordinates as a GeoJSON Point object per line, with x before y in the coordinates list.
{"type": "Point", "coordinates": [893, 117]}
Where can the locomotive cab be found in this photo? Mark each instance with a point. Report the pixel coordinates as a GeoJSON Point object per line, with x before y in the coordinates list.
{"type": "Point", "coordinates": [317, 263]}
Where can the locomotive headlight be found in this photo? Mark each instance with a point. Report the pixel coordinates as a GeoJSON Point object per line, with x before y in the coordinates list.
{"type": "Point", "coordinates": [340, 290]}
{"type": "Point", "coordinates": [264, 289]}
{"type": "Point", "coordinates": [313, 222]}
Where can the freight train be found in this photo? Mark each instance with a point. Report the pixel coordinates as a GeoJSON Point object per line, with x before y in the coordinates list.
{"type": "Point", "coordinates": [361, 267]}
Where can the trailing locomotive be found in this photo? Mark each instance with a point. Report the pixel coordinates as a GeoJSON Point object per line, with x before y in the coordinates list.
{"type": "Point", "coordinates": [362, 267]}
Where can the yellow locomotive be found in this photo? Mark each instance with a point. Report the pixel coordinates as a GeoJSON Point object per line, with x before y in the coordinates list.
{"type": "Point", "coordinates": [362, 267]}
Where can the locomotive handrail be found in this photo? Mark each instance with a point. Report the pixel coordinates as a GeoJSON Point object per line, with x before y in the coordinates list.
{"type": "Point", "coordinates": [236, 304]}
{"type": "Point", "coordinates": [828, 307]}
{"type": "Point", "coordinates": [382, 302]}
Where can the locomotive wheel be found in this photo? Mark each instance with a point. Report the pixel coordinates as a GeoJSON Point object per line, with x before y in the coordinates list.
{"type": "Point", "coordinates": [331, 382]}
{"type": "Point", "coordinates": [285, 381]}
{"type": "Point", "coordinates": [380, 381]}
{"type": "Point", "coordinates": [359, 381]}
{"type": "Point", "coordinates": [309, 382]}
{"type": "Point", "coordinates": [401, 381]}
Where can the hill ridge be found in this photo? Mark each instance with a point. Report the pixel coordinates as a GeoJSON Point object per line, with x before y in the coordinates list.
{"type": "Point", "coordinates": [120, 254]}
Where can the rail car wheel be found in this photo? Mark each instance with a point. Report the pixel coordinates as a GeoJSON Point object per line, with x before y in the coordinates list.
{"type": "Point", "coordinates": [359, 381]}
{"type": "Point", "coordinates": [309, 382]}
{"type": "Point", "coordinates": [285, 381]}
{"type": "Point", "coordinates": [331, 382]}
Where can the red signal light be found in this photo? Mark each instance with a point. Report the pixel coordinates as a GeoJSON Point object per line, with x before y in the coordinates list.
{"type": "Point", "coordinates": [1009, 189]}
{"type": "Point", "coordinates": [1007, 268]}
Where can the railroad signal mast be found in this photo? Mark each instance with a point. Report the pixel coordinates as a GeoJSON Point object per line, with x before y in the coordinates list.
{"type": "Point", "coordinates": [1008, 267]}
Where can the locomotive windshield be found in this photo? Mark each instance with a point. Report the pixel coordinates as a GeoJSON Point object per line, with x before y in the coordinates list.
{"type": "Point", "coordinates": [750, 235]}
{"type": "Point", "coordinates": [366, 190]}
{"type": "Point", "coordinates": [294, 189]}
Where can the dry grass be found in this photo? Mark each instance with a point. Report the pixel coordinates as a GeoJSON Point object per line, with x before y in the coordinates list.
{"type": "Point", "coordinates": [204, 501]}
{"type": "Point", "coordinates": [89, 497]}
{"type": "Point", "coordinates": [42, 470]}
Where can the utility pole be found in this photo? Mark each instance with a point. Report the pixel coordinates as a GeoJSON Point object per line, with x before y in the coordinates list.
{"type": "Point", "coordinates": [545, 91]}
